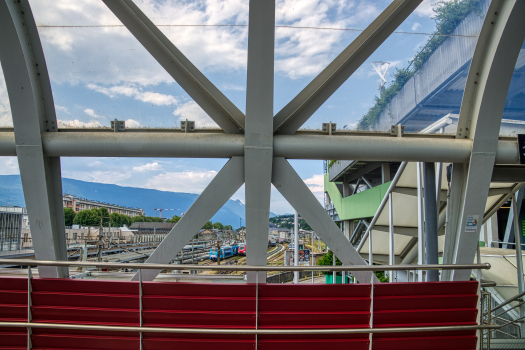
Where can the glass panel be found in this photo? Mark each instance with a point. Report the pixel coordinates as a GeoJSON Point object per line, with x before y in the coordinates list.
{"type": "Point", "coordinates": [428, 58]}
{"type": "Point", "coordinates": [6, 121]}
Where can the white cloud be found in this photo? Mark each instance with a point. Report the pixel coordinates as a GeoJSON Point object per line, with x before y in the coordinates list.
{"type": "Point", "coordinates": [305, 52]}
{"type": "Point", "coordinates": [192, 111]}
{"type": "Point", "coordinates": [106, 177]}
{"type": "Point", "coordinates": [131, 123]}
{"type": "Point", "coordinates": [5, 108]}
{"type": "Point", "coordinates": [78, 124]}
{"type": "Point", "coordinates": [233, 87]}
{"type": "Point", "coordinates": [61, 109]}
{"type": "Point", "coordinates": [109, 54]}
{"type": "Point", "coordinates": [316, 185]}
{"type": "Point", "coordinates": [9, 166]}
{"type": "Point", "coordinates": [135, 92]}
{"type": "Point", "coordinates": [92, 114]}
{"type": "Point", "coordinates": [185, 181]}
{"type": "Point", "coordinates": [425, 9]}
{"type": "Point", "coordinates": [416, 26]}
{"type": "Point", "coordinates": [155, 166]}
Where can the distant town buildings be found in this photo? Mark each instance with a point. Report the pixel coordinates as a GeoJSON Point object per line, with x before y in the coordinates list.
{"type": "Point", "coordinates": [11, 222]}
{"type": "Point", "coordinates": [79, 204]}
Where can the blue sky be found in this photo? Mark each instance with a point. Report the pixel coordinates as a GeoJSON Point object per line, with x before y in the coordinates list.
{"type": "Point", "coordinates": [99, 72]}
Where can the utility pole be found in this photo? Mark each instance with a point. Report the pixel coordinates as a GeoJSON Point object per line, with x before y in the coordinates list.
{"type": "Point", "coordinates": [296, 248]}
{"type": "Point", "coordinates": [218, 252]}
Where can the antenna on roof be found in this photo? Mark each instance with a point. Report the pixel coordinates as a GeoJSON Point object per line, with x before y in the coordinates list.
{"type": "Point", "coordinates": [381, 68]}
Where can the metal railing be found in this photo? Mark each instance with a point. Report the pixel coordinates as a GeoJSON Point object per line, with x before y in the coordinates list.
{"type": "Point", "coordinates": [30, 325]}
{"type": "Point", "coordinates": [509, 328]}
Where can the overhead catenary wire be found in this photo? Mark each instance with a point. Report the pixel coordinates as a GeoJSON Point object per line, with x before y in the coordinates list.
{"type": "Point", "coordinates": [246, 25]}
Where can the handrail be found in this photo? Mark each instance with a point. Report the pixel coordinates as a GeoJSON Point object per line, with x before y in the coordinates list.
{"type": "Point", "coordinates": [245, 331]}
{"type": "Point", "coordinates": [25, 262]}
{"type": "Point", "coordinates": [392, 186]}
{"type": "Point", "coordinates": [508, 301]}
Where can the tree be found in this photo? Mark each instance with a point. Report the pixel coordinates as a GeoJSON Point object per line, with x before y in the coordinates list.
{"type": "Point", "coordinates": [328, 260]}
{"type": "Point", "coordinates": [218, 226]}
{"type": "Point", "coordinates": [119, 220]}
{"type": "Point", "coordinates": [174, 219]}
{"type": "Point", "coordinates": [228, 227]}
{"type": "Point", "coordinates": [90, 217]}
{"type": "Point", "coordinates": [207, 226]}
{"type": "Point", "coordinates": [69, 216]}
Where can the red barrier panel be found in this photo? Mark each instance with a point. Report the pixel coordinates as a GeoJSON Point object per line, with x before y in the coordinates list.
{"type": "Point", "coordinates": [226, 306]}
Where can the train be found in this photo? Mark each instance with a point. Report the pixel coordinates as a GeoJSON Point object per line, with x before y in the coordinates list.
{"type": "Point", "coordinates": [226, 252]}
{"type": "Point", "coordinates": [271, 242]}
{"type": "Point", "coordinates": [242, 249]}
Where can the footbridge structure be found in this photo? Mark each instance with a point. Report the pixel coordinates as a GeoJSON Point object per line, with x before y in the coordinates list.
{"type": "Point", "coordinates": [433, 311]}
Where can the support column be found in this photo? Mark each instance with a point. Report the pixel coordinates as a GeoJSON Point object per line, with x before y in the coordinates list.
{"type": "Point", "coordinates": [295, 247]}
{"type": "Point", "coordinates": [420, 223]}
{"type": "Point", "coordinates": [490, 74]}
{"type": "Point", "coordinates": [431, 220]}
{"type": "Point", "coordinates": [346, 226]}
{"type": "Point", "coordinates": [258, 147]}
{"type": "Point", "coordinates": [509, 230]}
{"type": "Point", "coordinates": [33, 112]}
{"type": "Point", "coordinates": [392, 256]}
{"type": "Point", "coordinates": [519, 259]}
{"type": "Point", "coordinates": [385, 172]}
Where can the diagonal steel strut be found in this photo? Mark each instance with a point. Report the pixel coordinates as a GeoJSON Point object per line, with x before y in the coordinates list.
{"type": "Point", "coordinates": [295, 191]}
{"type": "Point", "coordinates": [219, 191]}
{"type": "Point", "coordinates": [203, 92]}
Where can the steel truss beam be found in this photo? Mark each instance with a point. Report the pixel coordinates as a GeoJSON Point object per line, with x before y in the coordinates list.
{"type": "Point", "coordinates": [295, 191]}
{"type": "Point", "coordinates": [258, 142]}
{"type": "Point", "coordinates": [497, 50]}
{"type": "Point", "coordinates": [219, 145]}
{"type": "Point", "coordinates": [289, 119]}
{"type": "Point", "coordinates": [33, 112]}
{"type": "Point", "coordinates": [215, 195]}
{"type": "Point", "coordinates": [203, 92]}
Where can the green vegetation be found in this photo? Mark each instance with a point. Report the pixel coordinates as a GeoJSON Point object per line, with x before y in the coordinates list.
{"type": "Point", "coordinates": [449, 15]}
{"type": "Point", "coordinates": [286, 221]}
{"type": "Point", "coordinates": [174, 219]}
{"type": "Point", "coordinates": [69, 216]}
{"type": "Point", "coordinates": [91, 217]}
{"type": "Point", "coordinates": [216, 226]}
{"type": "Point", "coordinates": [328, 260]}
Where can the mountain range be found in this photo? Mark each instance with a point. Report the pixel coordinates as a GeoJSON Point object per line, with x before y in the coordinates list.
{"type": "Point", "coordinates": [11, 194]}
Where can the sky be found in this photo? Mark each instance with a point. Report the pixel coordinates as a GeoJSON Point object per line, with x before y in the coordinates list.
{"type": "Point", "coordinates": [99, 72]}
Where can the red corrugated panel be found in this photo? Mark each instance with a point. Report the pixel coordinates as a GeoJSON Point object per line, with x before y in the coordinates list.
{"type": "Point", "coordinates": [196, 289]}
{"type": "Point", "coordinates": [425, 288]}
{"type": "Point", "coordinates": [233, 306]}
{"type": "Point", "coordinates": [415, 302]}
{"type": "Point", "coordinates": [13, 338]}
{"type": "Point", "coordinates": [314, 290]}
{"type": "Point", "coordinates": [319, 303]}
{"type": "Point", "coordinates": [209, 303]}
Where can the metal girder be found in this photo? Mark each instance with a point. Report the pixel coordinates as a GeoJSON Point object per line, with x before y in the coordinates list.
{"type": "Point", "coordinates": [289, 119]}
{"type": "Point", "coordinates": [200, 89]}
{"type": "Point", "coordinates": [295, 191]}
{"type": "Point", "coordinates": [215, 195]}
{"type": "Point", "coordinates": [220, 145]}
{"type": "Point", "coordinates": [497, 50]}
{"type": "Point", "coordinates": [258, 147]}
{"type": "Point", "coordinates": [509, 236]}
{"type": "Point", "coordinates": [33, 112]}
